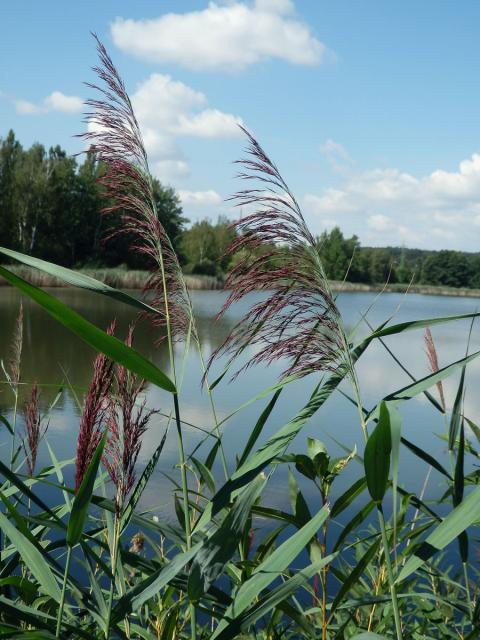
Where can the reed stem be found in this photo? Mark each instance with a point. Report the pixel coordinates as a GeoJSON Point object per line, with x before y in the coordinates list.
{"type": "Point", "coordinates": [214, 414]}
{"type": "Point", "coordinates": [391, 580]}
{"type": "Point", "coordinates": [115, 541]}
{"type": "Point", "coordinates": [64, 588]}
{"type": "Point", "coordinates": [467, 588]}
{"type": "Point", "coordinates": [14, 427]}
{"type": "Point", "coordinates": [186, 507]}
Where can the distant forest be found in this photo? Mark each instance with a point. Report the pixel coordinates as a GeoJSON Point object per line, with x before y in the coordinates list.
{"type": "Point", "coordinates": [50, 207]}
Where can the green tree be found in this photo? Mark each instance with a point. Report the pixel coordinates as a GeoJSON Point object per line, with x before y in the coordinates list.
{"type": "Point", "coordinates": [118, 248]}
{"type": "Point", "coordinates": [448, 268]}
{"type": "Point", "coordinates": [336, 253]}
{"type": "Point", "coordinates": [10, 154]}
{"type": "Point", "coordinates": [381, 266]}
{"type": "Point", "coordinates": [31, 195]}
{"type": "Point", "coordinates": [204, 247]}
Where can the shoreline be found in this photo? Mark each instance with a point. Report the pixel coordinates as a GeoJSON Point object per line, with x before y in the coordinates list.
{"type": "Point", "coordinates": [421, 289]}
{"type": "Point", "coordinates": [135, 279]}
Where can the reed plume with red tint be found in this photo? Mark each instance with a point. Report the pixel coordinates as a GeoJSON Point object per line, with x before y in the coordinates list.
{"type": "Point", "coordinates": [128, 421]}
{"type": "Point", "coordinates": [34, 431]}
{"type": "Point", "coordinates": [298, 319]}
{"type": "Point", "coordinates": [115, 138]}
{"type": "Point", "coordinates": [95, 413]}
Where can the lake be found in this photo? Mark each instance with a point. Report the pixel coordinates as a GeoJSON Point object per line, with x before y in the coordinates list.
{"type": "Point", "coordinates": [52, 356]}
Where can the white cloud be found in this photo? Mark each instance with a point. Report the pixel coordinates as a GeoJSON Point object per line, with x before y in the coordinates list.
{"type": "Point", "coordinates": [25, 108]}
{"type": "Point", "coordinates": [379, 222]}
{"type": "Point", "coordinates": [438, 210]}
{"type": "Point", "coordinates": [202, 198]}
{"type": "Point", "coordinates": [336, 155]}
{"type": "Point", "coordinates": [56, 101]}
{"type": "Point", "coordinates": [173, 108]}
{"type": "Point", "coordinates": [223, 36]}
{"type": "Point", "coordinates": [168, 171]}
{"type": "Point", "coordinates": [168, 110]}
{"type": "Point", "coordinates": [210, 123]}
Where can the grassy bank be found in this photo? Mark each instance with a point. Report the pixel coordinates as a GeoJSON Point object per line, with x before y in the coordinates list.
{"type": "Point", "coordinates": [135, 279]}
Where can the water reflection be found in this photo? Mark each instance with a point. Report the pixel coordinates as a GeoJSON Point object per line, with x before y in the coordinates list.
{"type": "Point", "coordinates": [52, 355]}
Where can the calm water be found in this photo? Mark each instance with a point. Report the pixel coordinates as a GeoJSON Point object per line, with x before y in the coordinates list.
{"type": "Point", "coordinates": [52, 355]}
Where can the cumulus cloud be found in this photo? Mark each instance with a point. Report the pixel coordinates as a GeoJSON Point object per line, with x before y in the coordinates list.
{"type": "Point", "coordinates": [56, 101]}
{"type": "Point", "coordinates": [202, 198]}
{"type": "Point", "coordinates": [168, 110]}
{"type": "Point", "coordinates": [336, 155]}
{"type": "Point", "coordinates": [239, 34]}
{"type": "Point", "coordinates": [438, 210]}
{"type": "Point", "coordinates": [169, 171]}
{"type": "Point", "coordinates": [173, 108]}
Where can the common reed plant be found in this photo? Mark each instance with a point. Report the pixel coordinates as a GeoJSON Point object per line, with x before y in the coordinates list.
{"type": "Point", "coordinates": [12, 374]}
{"type": "Point", "coordinates": [34, 430]}
{"type": "Point", "coordinates": [83, 560]}
{"type": "Point", "coordinates": [95, 413]}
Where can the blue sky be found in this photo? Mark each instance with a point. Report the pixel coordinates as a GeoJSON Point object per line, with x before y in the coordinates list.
{"type": "Point", "coordinates": [369, 108]}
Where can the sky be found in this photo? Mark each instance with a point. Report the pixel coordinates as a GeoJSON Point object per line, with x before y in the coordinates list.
{"type": "Point", "coordinates": [370, 109]}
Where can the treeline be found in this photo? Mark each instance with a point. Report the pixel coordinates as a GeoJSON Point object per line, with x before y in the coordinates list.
{"type": "Point", "coordinates": [50, 207]}
{"type": "Point", "coordinates": [377, 265]}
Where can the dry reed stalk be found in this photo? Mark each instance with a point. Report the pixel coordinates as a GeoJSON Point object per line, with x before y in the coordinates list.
{"type": "Point", "coordinates": [433, 360]}
{"type": "Point", "coordinates": [16, 348]}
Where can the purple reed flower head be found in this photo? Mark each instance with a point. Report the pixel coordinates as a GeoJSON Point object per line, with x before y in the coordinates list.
{"type": "Point", "coordinates": [297, 320]}
{"type": "Point", "coordinates": [95, 413]}
{"type": "Point", "coordinates": [34, 431]}
{"type": "Point", "coordinates": [115, 138]}
{"type": "Point", "coordinates": [128, 421]}
{"type": "Point", "coordinates": [16, 348]}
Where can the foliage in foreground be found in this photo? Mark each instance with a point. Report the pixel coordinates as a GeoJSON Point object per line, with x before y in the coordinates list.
{"type": "Point", "coordinates": [66, 568]}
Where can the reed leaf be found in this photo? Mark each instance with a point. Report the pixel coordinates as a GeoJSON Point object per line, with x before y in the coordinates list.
{"type": "Point", "coordinates": [456, 417]}
{"type": "Point", "coordinates": [377, 456]}
{"type": "Point", "coordinates": [221, 545]}
{"type": "Point", "coordinates": [77, 279]}
{"type": "Point", "coordinates": [275, 564]}
{"type": "Point", "coordinates": [457, 521]}
{"type": "Point", "coordinates": [81, 502]}
{"type": "Point", "coordinates": [33, 558]}
{"type": "Point", "coordinates": [113, 348]}
{"type": "Point", "coordinates": [272, 599]}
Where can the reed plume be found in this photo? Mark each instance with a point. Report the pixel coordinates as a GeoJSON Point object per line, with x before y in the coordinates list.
{"type": "Point", "coordinates": [298, 319]}
{"type": "Point", "coordinates": [95, 413]}
{"type": "Point", "coordinates": [433, 361]}
{"type": "Point", "coordinates": [115, 138]}
{"type": "Point", "coordinates": [16, 349]}
{"type": "Point", "coordinates": [34, 430]}
{"type": "Point", "coordinates": [128, 421]}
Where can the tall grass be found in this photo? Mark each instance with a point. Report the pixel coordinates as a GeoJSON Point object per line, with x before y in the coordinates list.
{"type": "Point", "coordinates": [87, 563]}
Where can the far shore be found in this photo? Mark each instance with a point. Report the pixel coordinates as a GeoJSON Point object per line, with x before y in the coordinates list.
{"type": "Point", "coordinates": [136, 279]}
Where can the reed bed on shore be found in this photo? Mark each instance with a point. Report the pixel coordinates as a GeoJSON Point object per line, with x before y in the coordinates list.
{"type": "Point", "coordinates": [377, 561]}
{"type": "Point", "coordinates": [118, 278]}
